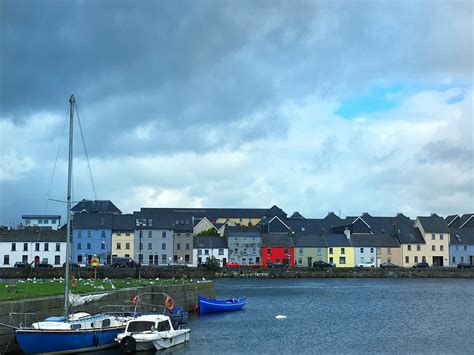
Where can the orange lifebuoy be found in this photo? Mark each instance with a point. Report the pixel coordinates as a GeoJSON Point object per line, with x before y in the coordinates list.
{"type": "Point", "coordinates": [135, 300]}
{"type": "Point", "coordinates": [169, 303]}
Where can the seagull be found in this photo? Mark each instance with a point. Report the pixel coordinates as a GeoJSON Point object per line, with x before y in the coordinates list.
{"type": "Point", "coordinates": [280, 316]}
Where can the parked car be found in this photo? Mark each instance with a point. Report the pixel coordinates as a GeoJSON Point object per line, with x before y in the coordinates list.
{"type": "Point", "coordinates": [43, 265]}
{"type": "Point", "coordinates": [255, 265]}
{"type": "Point", "coordinates": [124, 262]}
{"type": "Point", "coordinates": [73, 265]}
{"type": "Point", "coordinates": [277, 266]}
{"type": "Point", "coordinates": [366, 264]}
{"type": "Point", "coordinates": [21, 264]}
{"type": "Point", "coordinates": [387, 265]}
{"type": "Point", "coordinates": [464, 266]}
{"type": "Point", "coordinates": [422, 265]}
{"type": "Point", "coordinates": [231, 265]}
{"type": "Point", "coordinates": [320, 264]}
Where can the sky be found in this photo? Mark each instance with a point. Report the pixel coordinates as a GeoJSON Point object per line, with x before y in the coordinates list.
{"type": "Point", "coordinates": [315, 106]}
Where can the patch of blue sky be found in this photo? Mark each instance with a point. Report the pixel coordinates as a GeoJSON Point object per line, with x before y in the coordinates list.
{"type": "Point", "coordinates": [383, 98]}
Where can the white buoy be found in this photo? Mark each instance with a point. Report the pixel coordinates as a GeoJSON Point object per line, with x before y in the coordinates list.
{"type": "Point", "coordinates": [280, 316]}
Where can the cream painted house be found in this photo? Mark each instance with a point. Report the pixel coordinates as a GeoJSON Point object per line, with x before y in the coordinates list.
{"type": "Point", "coordinates": [123, 236]}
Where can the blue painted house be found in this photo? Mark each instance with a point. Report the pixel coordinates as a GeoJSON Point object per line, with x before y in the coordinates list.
{"type": "Point", "coordinates": [461, 248]}
{"type": "Point", "coordinates": [92, 235]}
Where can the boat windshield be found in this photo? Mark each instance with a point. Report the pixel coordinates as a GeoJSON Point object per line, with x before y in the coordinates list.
{"type": "Point", "coordinates": [140, 326]}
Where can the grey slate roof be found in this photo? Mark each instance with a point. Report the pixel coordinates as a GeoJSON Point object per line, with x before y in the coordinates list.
{"type": "Point", "coordinates": [296, 215]}
{"type": "Point", "coordinates": [337, 240]}
{"type": "Point", "coordinates": [209, 242]}
{"type": "Point", "coordinates": [123, 222]}
{"type": "Point", "coordinates": [162, 218]}
{"type": "Point", "coordinates": [465, 221]}
{"type": "Point", "coordinates": [33, 235]}
{"type": "Point", "coordinates": [310, 241]}
{"type": "Point", "coordinates": [410, 235]}
{"type": "Point", "coordinates": [240, 231]}
{"type": "Point", "coordinates": [277, 240]}
{"type": "Point", "coordinates": [460, 236]}
{"type": "Point", "coordinates": [450, 219]}
{"type": "Point", "coordinates": [95, 206]}
{"type": "Point", "coordinates": [374, 240]}
{"type": "Point", "coordinates": [93, 221]}
{"type": "Point", "coordinates": [433, 224]}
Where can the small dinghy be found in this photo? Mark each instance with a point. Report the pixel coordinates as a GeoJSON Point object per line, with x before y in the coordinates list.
{"type": "Point", "coordinates": [151, 331]}
{"type": "Point", "coordinates": [208, 305]}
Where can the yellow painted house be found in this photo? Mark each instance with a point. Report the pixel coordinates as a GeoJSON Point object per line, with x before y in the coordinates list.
{"type": "Point", "coordinates": [123, 236]}
{"type": "Point", "coordinates": [340, 250]}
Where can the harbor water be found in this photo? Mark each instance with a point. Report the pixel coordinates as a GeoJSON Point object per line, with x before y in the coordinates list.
{"type": "Point", "coordinates": [337, 316]}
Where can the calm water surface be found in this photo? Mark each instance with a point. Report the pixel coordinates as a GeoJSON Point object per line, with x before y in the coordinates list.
{"type": "Point", "coordinates": [338, 316]}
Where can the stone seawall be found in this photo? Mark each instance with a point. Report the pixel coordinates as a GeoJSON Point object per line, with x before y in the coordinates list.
{"type": "Point", "coordinates": [40, 308]}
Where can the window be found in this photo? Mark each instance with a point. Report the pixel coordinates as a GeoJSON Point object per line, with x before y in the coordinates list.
{"type": "Point", "coordinates": [150, 234]}
{"type": "Point", "coordinates": [163, 234]}
{"type": "Point", "coordinates": [79, 234]}
{"type": "Point", "coordinates": [441, 237]}
{"type": "Point", "coordinates": [13, 246]}
{"type": "Point", "coordinates": [416, 259]}
{"type": "Point", "coordinates": [389, 260]}
{"type": "Point", "coordinates": [454, 260]}
{"type": "Point", "coordinates": [433, 247]}
{"type": "Point", "coordinates": [58, 246]}
{"type": "Point", "coordinates": [163, 246]}
{"type": "Point", "coordinates": [150, 246]}
{"type": "Point", "coordinates": [300, 251]}
{"type": "Point", "coordinates": [25, 246]}
{"type": "Point", "coordinates": [269, 251]}
{"type": "Point", "coordinates": [140, 246]}
{"type": "Point", "coordinates": [300, 261]}
{"type": "Point", "coordinates": [199, 252]}
{"type": "Point", "coordinates": [119, 234]}
{"type": "Point", "coordinates": [57, 260]}
{"type": "Point", "coordinates": [6, 260]}
{"type": "Point", "coordinates": [372, 250]}
{"type": "Point", "coordinates": [342, 260]}
{"type": "Point", "coordinates": [330, 251]}
{"type": "Point", "coordinates": [79, 259]}
{"type": "Point", "coordinates": [361, 250]}
{"type": "Point", "coordinates": [119, 246]}
{"type": "Point", "coordinates": [150, 222]}
{"type": "Point", "coordinates": [46, 221]}
{"type": "Point", "coordinates": [418, 247]}
{"type": "Point", "coordinates": [221, 251]}
{"type": "Point", "coordinates": [186, 258]}
{"type": "Point", "coordinates": [236, 250]}
{"type": "Point", "coordinates": [187, 246]}
{"type": "Point", "coordinates": [178, 246]}
{"type": "Point", "coordinates": [206, 252]}
{"type": "Point", "coordinates": [150, 259]}
{"type": "Point", "coordinates": [389, 251]}
{"type": "Point", "coordinates": [127, 246]}
{"type": "Point", "coordinates": [465, 247]}
{"type": "Point", "coordinates": [89, 234]}
{"type": "Point", "coordinates": [331, 260]}
{"type": "Point", "coordinates": [409, 247]}
{"type": "Point", "coordinates": [343, 251]}
{"type": "Point", "coordinates": [53, 221]}
{"type": "Point", "coordinates": [441, 248]}
{"type": "Point", "coordinates": [433, 236]}
{"type": "Point", "coordinates": [79, 246]}
{"type": "Point", "coordinates": [178, 234]}
{"type": "Point", "coordinates": [102, 246]}
{"type": "Point", "coordinates": [407, 259]}
{"type": "Point", "coordinates": [163, 259]}
{"type": "Point", "coordinates": [37, 246]}
{"type": "Point", "coordinates": [46, 246]}
{"type": "Point", "coordinates": [286, 251]}
{"type": "Point", "coordinates": [88, 246]}
{"type": "Point", "coordinates": [462, 259]}
{"type": "Point", "coordinates": [456, 248]}
{"type": "Point", "coordinates": [102, 234]}
{"type": "Point", "coordinates": [423, 259]}
{"type": "Point", "coordinates": [127, 234]}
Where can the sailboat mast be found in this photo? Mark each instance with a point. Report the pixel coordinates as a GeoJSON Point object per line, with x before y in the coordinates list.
{"type": "Point", "coordinates": [72, 102]}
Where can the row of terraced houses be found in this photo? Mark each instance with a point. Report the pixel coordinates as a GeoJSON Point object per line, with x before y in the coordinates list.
{"type": "Point", "coordinates": [161, 236]}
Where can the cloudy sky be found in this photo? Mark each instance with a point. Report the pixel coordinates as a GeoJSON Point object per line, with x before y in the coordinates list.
{"type": "Point", "coordinates": [316, 106]}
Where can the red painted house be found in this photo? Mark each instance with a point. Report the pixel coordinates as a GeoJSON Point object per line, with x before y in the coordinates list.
{"type": "Point", "coordinates": [278, 248]}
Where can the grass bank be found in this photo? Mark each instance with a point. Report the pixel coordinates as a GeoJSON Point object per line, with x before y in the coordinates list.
{"type": "Point", "coordinates": [34, 288]}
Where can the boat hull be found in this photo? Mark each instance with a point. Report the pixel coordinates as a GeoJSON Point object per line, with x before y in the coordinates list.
{"type": "Point", "coordinates": [180, 337]}
{"type": "Point", "coordinates": [62, 342]}
{"type": "Point", "coordinates": [207, 305]}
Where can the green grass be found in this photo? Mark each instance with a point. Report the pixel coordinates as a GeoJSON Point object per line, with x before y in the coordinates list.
{"type": "Point", "coordinates": [32, 288]}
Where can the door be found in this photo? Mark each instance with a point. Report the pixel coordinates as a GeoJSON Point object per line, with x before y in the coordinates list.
{"type": "Point", "coordinates": [310, 261]}
{"type": "Point", "coordinates": [437, 261]}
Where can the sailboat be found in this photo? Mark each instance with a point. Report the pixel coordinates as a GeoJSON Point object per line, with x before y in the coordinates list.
{"type": "Point", "coordinates": [77, 332]}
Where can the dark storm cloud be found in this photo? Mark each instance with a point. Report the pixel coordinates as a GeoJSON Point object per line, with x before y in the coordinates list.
{"type": "Point", "coordinates": [191, 66]}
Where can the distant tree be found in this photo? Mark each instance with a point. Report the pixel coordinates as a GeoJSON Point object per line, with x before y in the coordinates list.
{"type": "Point", "coordinates": [213, 264]}
{"type": "Point", "coordinates": [211, 232]}
{"type": "Point", "coordinates": [250, 224]}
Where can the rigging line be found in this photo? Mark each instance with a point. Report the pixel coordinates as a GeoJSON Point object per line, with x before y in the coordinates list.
{"type": "Point", "coordinates": [85, 150]}
{"type": "Point", "coordinates": [57, 155]}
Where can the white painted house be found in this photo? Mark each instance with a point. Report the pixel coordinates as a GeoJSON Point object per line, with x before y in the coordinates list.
{"type": "Point", "coordinates": [32, 246]}
{"type": "Point", "coordinates": [42, 221]}
{"type": "Point", "coordinates": [206, 247]}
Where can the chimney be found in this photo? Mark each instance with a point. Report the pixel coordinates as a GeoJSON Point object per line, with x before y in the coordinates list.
{"type": "Point", "coordinates": [347, 232]}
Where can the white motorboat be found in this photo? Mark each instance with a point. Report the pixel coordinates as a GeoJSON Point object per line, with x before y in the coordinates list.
{"type": "Point", "coordinates": [151, 331]}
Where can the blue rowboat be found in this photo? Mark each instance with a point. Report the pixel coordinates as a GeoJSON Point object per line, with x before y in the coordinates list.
{"type": "Point", "coordinates": [208, 305]}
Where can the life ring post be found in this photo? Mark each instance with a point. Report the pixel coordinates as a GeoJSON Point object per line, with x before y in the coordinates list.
{"type": "Point", "coordinates": [169, 303]}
